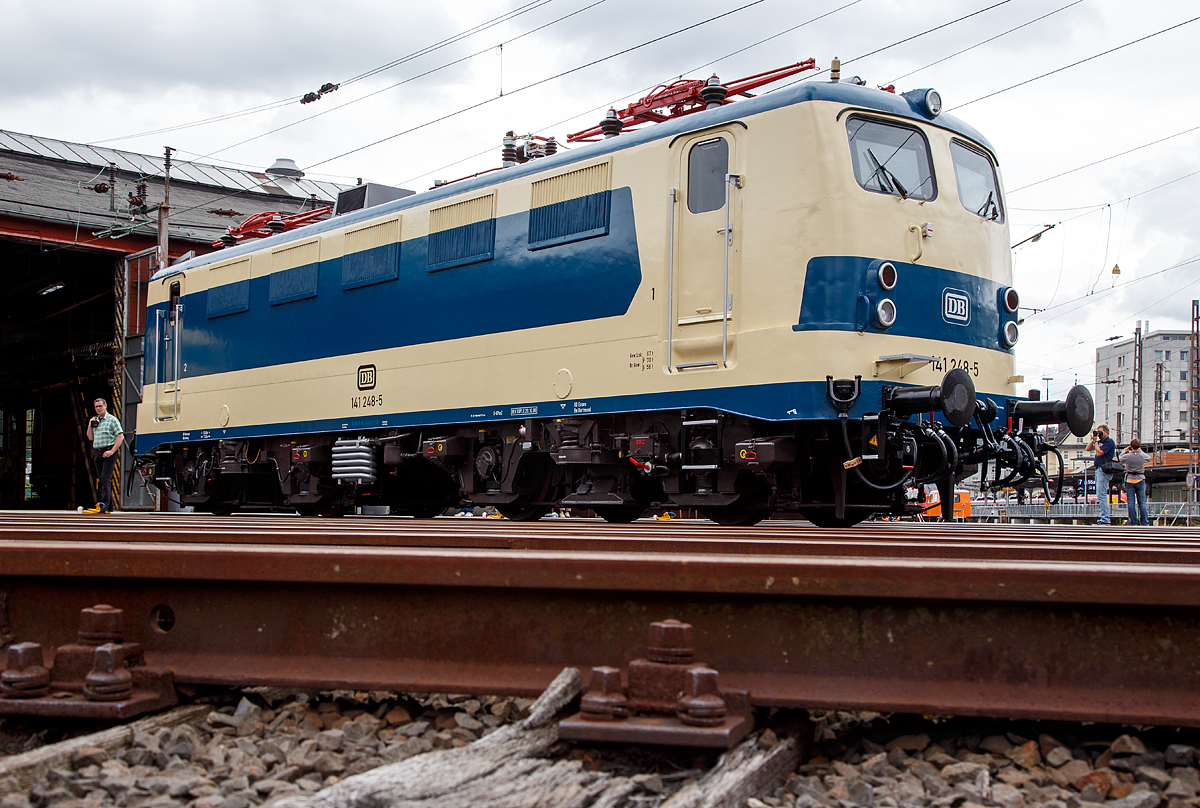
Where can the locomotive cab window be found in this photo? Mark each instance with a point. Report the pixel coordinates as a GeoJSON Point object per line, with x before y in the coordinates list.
{"type": "Point", "coordinates": [891, 159]}
{"type": "Point", "coordinates": [708, 163]}
{"type": "Point", "coordinates": [977, 185]}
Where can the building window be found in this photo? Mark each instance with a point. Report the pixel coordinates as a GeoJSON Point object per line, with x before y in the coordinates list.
{"type": "Point", "coordinates": [1120, 363]}
{"type": "Point", "coordinates": [1120, 400]}
{"type": "Point", "coordinates": [1183, 417]}
{"type": "Point", "coordinates": [1183, 395]}
{"type": "Point", "coordinates": [1183, 375]}
{"type": "Point", "coordinates": [1166, 395]}
{"type": "Point", "coordinates": [1158, 356]}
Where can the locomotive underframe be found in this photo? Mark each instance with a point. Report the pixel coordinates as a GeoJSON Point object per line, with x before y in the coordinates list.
{"type": "Point", "coordinates": [732, 469]}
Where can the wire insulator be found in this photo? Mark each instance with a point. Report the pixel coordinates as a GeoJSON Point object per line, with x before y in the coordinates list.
{"type": "Point", "coordinates": [611, 126]}
{"type": "Point", "coordinates": [508, 153]}
{"type": "Point", "coordinates": [551, 147]}
{"type": "Point", "coordinates": [713, 93]}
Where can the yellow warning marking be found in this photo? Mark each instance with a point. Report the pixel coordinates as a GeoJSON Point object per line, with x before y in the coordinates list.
{"type": "Point", "coordinates": [874, 441]}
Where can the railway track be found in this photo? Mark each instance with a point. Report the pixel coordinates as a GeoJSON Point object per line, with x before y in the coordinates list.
{"type": "Point", "coordinates": [1062, 622]}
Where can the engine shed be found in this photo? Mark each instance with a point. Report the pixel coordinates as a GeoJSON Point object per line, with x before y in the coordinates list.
{"type": "Point", "coordinates": [79, 240]}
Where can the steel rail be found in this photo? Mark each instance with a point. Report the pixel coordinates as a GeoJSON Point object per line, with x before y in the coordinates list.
{"type": "Point", "coordinates": [1013, 543]}
{"type": "Point", "coordinates": [1022, 622]}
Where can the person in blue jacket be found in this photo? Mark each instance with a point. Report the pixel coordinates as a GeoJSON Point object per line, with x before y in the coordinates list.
{"type": "Point", "coordinates": [1106, 452]}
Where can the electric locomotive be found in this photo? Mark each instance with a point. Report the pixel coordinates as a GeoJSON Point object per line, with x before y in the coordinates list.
{"type": "Point", "coordinates": [798, 302]}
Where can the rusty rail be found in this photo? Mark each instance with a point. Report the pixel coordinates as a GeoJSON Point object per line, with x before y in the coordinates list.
{"type": "Point", "coordinates": [1018, 621]}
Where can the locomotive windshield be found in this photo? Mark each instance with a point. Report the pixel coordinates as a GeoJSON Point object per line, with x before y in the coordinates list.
{"type": "Point", "coordinates": [977, 186]}
{"type": "Point", "coordinates": [891, 159]}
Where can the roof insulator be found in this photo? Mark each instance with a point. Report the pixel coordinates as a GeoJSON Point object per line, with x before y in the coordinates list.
{"type": "Point", "coordinates": [612, 125]}
{"type": "Point", "coordinates": [713, 93]}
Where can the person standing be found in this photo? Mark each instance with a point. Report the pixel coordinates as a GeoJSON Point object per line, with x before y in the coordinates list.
{"type": "Point", "coordinates": [1135, 483]}
{"type": "Point", "coordinates": [1106, 452]}
{"type": "Point", "coordinates": [106, 435]}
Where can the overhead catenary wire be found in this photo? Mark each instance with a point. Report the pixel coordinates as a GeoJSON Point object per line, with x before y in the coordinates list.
{"type": "Point", "coordinates": [640, 93]}
{"type": "Point", "coordinates": [1103, 160]}
{"type": "Point", "coordinates": [1074, 64]}
{"type": "Point", "coordinates": [537, 83]}
{"type": "Point", "coordinates": [545, 80]}
{"type": "Point", "coordinates": [898, 42]}
{"type": "Point", "coordinates": [502, 18]}
{"type": "Point", "coordinates": [412, 78]}
{"type": "Point", "coordinates": [986, 41]}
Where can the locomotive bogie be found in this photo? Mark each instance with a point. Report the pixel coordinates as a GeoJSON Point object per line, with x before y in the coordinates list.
{"type": "Point", "coordinates": [651, 320]}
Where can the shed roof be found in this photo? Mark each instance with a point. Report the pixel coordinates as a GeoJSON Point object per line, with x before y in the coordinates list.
{"type": "Point", "coordinates": [57, 180]}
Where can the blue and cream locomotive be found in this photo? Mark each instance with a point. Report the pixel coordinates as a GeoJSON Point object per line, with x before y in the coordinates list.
{"type": "Point", "coordinates": [799, 302]}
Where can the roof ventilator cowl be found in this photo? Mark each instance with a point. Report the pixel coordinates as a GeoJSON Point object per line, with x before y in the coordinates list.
{"type": "Point", "coordinates": [283, 167]}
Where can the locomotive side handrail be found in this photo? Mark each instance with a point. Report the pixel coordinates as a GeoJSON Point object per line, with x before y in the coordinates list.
{"type": "Point", "coordinates": [671, 281]}
{"type": "Point", "coordinates": [735, 181]}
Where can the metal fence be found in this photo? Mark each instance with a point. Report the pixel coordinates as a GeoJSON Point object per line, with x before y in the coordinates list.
{"type": "Point", "coordinates": [1161, 513]}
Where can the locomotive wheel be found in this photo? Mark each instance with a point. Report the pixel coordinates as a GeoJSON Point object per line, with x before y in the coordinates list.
{"type": "Point", "coordinates": [330, 508]}
{"type": "Point", "coordinates": [426, 510]}
{"type": "Point", "coordinates": [523, 513]}
{"type": "Point", "coordinates": [620, 514]}
{"type": "Point", "coordinates": [736, 515]}
{"type": "Point", "coordinates": [823, 517]}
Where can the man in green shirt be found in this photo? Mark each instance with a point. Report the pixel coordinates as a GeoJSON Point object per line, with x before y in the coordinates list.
{"type": "Point", "coordinates": [106, 435]}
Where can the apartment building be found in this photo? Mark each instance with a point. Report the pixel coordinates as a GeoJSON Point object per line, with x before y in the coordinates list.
{"type": "Point", "coordinates": [1166, 371]}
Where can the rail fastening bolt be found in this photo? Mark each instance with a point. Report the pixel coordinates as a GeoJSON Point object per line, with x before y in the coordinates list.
{"type": "Point", "coordinates": [702, 705]}
{"type": "Point", "coordinates": [25, 676]}
{"type": "Point", "coordinates": [101, 624]}
{"type": "Point", "coordinates": [109, 679]}
{"type": "Point", "coordinates": [670, 641]}
{"type": "Point", "coordinates": [604, 700]}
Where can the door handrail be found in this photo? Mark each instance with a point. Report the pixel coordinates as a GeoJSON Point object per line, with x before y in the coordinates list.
{"type": "Point", "coordinates": [671, 281]}
{"type": "Point", "coordinates": [735, 181]}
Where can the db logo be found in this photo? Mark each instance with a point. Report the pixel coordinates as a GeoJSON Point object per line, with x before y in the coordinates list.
{"type": "Point", "coordinates": [366, 377]}
{"type": "Point", "coordinates": [956, 306]}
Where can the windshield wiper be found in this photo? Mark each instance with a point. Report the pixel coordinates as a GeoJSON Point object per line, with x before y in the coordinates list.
{"type": "Point", "coordinates": [989, 204]}
{"type": "Point", "coordinates": [887, 176]}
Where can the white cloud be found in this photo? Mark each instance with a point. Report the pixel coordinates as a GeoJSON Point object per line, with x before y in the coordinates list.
{"type": "Point", "coordinates": [83, 71]}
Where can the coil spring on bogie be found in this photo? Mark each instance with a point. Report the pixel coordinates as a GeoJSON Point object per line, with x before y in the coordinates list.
{"type": "Point", "coordinates": [354, 461]}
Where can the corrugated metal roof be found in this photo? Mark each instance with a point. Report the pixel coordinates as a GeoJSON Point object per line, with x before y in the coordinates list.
{"type": "Point", "coordinates": [200, 173]}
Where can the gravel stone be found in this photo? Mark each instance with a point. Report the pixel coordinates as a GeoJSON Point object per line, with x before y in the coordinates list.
{"type": "Point", "coordinates": [1179, 754]}
{"type": "Point", "coordinates": [1155, 777]}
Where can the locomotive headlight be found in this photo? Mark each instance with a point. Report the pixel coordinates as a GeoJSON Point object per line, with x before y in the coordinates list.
{"type": "Point", "coordinates": [926, 100]}
{"type": "Point", "coordinates": [1011, 300]}
{"type": "Point", "coordinates": [933, 103]}
{"type": "Point", "coordinates": [1011, 333]}
{"type": "Point", "coordinates": [888, 276]}
{"type": "Point", "coordinates": [885, 313]}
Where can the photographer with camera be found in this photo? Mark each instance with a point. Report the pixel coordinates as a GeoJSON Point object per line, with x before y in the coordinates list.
{"type": "Point", "coordinates": [1135, 461]}
{"type": "Point", "coordinates": [1106, 454]}
{"type": "Point", "coordinates": [106, 435]}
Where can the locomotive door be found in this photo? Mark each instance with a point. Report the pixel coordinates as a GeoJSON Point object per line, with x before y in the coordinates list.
{"type": "Point", "coordinates": [704, 251]}
{"type": "Point", "coordinates": [168, 354]}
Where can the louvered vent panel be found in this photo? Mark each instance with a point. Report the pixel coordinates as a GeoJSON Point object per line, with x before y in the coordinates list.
{"type": "Point", "coordinates": [229, 288]}
{"type": "Point", "coordinates": [372, 254]}
{"type": "Point", "coordinates": [462, 233]}
{"type": "Point", "coordinates": [570, 207]}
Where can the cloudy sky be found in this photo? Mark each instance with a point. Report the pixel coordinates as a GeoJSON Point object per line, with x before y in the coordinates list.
{"type": "Point", "coordinates": [456, 76]}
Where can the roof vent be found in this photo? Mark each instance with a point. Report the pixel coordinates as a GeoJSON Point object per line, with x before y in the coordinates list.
{"type": "Point", "coordinates": [286, 168]}
{"type": "Point", "coordinates": [367, 195]}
